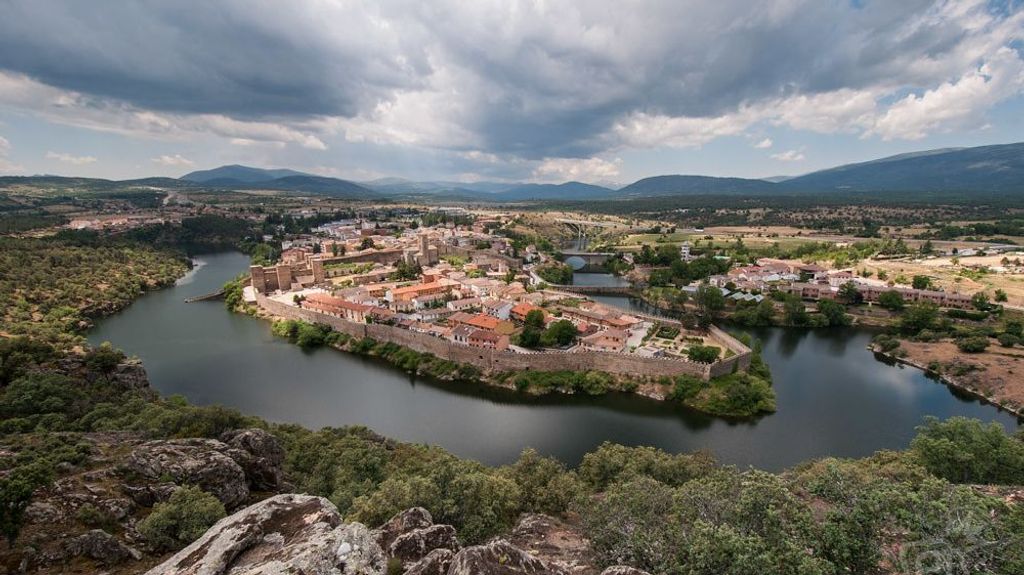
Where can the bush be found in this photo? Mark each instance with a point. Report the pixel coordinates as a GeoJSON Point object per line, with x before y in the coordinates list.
{"type": "Point", "coordinates": [965, 450]}
{"type": "Point", "coordinates": [1008, 340]}
{"type": "Point", "coordinates": [703, 353]}
{"type": "Point", "coordinates": [182, 519]}
{"type": "Point", "coordinates": [973, 344]}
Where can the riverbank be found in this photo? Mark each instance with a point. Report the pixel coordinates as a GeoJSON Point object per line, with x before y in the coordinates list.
{"type": "Point", "coordinates": [996, 377]}
{"type": "Point", "coordinates": [738, 393]}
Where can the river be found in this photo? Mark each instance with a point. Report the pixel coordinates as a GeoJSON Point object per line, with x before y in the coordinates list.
{"type": "Point", "coordinates": [834, 398]}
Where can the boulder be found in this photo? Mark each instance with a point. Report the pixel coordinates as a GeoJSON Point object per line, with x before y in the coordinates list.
{"type": "Point", "coordinates": [282, 534]}
{"type": "Point", "coordinates": [623, 570]}
{"type": "Point", "coordinates": [149, 495]}
{"type": "Point", "coordinates": [436, 562]}
{"type": "Point", "coordinates": [415, 545]}
{"type": "Point", "coordinates": [101, 546]}
{"type": "Point", "coordinates": [402, 523]}
{"type": "Point", "coordinates": [499, 557]}
{"type": "Point", "coordinates": [202, 462]}
{"type": "Point", "coordinates": [260, 454]}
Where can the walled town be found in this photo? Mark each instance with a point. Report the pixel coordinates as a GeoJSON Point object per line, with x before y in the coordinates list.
{"type": "Point", "coordinates": [420, 286]}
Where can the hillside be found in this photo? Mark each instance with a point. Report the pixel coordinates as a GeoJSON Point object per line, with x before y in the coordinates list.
{"type": "Point", "coordinates": [566, 191]}
{"type": "Point", "coordinates": [982, 169]}
{"type": "Point", "coordinates": [693, 185]}
{"type": "Point", "coordinates": [238, 174]}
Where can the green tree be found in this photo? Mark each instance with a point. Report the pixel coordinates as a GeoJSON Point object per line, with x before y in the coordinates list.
{"type": "Point", "coordinates": [965, 450]}
{"type": "Point", "coordinates": [703, 353]}
{"type": "Point", "coordinates": [534, 318]}
{"type": "Point", "coordinates": [367, 244]}
{"type": "Point", "coordinates": [891, 300]}
{"type": "Point", "coordinates": [182, 519]}
{"type": "Point", "coordinates": [559, 333]}
{"type": "Point", "coordinates": [834, 312]}
{"type": "Point", "coordinates": [849, 293]}
{"type": "Point", "coordinates": [980, 301]}
{"type": "Point", "coordinates": [921, 282]}
{"type": "Point", "coordinates": [1000, 295]}
{"type": "Point", "coordinates": [709, 301]}
{"type": "Point", "coordinates": [918, 317]}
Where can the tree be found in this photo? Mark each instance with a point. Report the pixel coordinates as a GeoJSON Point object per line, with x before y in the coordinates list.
{"type": "Point", "coordinates": [535, 318]}
{"type": "Point", "coordinates": [703, 353]}
{"type": "Point", "coordinates": [849, 293]}
{"type": "Point", "coordinates": [919, 317]}
{"type": "Point", "coordinates": [965, 450]}
{"type": "Point", "coordinates": [891, 300]}
{"type": "Point", "coordinates": [980, 301]}
{"type": "Point", "coordinates": [1000, 295]}
{"type": "Point", "coordinates": [921, 282]}
{"type": "Point", "coordinates": [926, 248]}
{"type": "Point", "coordinates": [709, 301]}
{"type": "Point", "coordinates": [560, 333]}
{"type": "Point", "coordinates": [530, 337]}
{"type": "Point", "coordinates": [182, 519]}
{"type": "Point", "coordinates": [334, 249]}
{"type": "Point", "coordinates": [796, 312]}
{"type": "Point", "coordinates": [834, 312]}
{"type": "Point", "coordinates": [367, 244]}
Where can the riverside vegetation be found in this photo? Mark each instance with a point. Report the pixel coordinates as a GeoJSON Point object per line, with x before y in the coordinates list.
{"type": "Point", "coordinates": [946, 499]}
{"type": "Point", "coordinates": [739, 394]}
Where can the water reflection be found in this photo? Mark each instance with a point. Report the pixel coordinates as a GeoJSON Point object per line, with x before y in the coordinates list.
{"type": "Point", "coordinates": [833, 398]}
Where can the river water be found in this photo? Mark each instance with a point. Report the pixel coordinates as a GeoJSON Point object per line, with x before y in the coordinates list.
{"type": "Point", "coordinates": [834, 398]}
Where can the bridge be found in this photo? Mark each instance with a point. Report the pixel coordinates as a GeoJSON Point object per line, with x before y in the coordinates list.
{"type": "Point", "coordinates": [594, 290]}
{"type": "Point", "coordinates": [205, 297]}
{"type": "Point", "coordinates": [579, 260]}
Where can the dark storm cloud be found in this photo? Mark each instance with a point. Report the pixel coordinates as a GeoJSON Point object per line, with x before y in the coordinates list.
{"type": "Point", "coordinates": [524, 79]}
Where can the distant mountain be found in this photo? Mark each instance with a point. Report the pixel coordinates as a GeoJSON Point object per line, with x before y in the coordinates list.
{"type": "Point", "coordinates": [777, 179]}
{"type": "Point", "coordinates": [235, 174]}
{"type": "Point", "coordinates": [566, 191]}
{"type": "Point", "coordinates": [333, 187]}
{"type": "Point", "coordinates": [982, 169]}
{"type": "Point", "coordinates": [694, 185]}
{"type": "Point", "coordinates": [403, 186]}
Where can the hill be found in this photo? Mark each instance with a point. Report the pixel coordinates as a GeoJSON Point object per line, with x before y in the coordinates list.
{"type": "Point", "coordinates": [235, 174]}
{"type": "Point", "coordinates": [997, 168]}
{"type": "Point", "coordinates": [694, 185]}
{"type": "Point", "coordinates": [566, 191]}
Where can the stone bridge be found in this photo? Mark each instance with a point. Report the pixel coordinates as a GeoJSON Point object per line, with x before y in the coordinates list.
{"type": "Point", "coordinates": [594, 290]}
{"type": "Point", "coordinates": [581, 261]}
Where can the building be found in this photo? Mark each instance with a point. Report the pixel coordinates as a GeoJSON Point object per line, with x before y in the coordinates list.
{"type": "Point", "coordinates": [606, 340]}
{"type": "Point", "coordinates": [488, 340]}
{"type": "Point", "coordinates": [324, 303]}
{"type": "Point", "coordinates": [520, 310]}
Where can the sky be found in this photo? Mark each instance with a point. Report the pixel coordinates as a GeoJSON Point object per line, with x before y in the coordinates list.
{"type": "Point", "coordinates": [504, 90]}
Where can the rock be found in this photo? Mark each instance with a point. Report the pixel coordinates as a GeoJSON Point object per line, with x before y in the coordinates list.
{"type": "Point", "coordinates": [130, 375]}
{"type": "Point", "coordinates": [42, 512]}
{"type": "Point", "coordinates": [401, 523]}
{"type": "Point", "coordinates": [623, 570]}
{"type": "Point", "coordinates": [201, 462]}
{"type": "Point", "coordinates": [282, 534]}
{"type": "Point", "coordinates": [499, 557]}
{"type": "Point", "coordinates": [101, 546]}
{"type": "Point", "coordinates": [415, 545]}
{"type": "Point", "coordinates": [436, 562]}
{"type": "Point", "coordinates": [554, 541]}
{"type": "Point", "coordinates": [117, 507]}
{"type": "Point", "coordinates": [265, 455]}
{"type": "Point", "coordinates": [149, 495]}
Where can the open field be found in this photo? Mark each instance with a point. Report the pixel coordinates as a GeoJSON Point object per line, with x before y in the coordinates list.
{"type": "Point", "coordinates": [998, 373]}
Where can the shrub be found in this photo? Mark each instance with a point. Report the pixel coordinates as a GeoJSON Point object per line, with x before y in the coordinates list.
{"type": "Point", "coordinates": [1008, 340]}
{"type": "Point", "coordinates": [182, 519]}
{"type": "Point", "coordinates": [973, 344]}
{"type": "Point", "coordinates": [703, 353]}
{"type": "Point", "coordinates": [965, 450]}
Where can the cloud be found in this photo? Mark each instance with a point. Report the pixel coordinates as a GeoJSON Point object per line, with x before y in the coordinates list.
{"type": "Point", "coordinates": [70, 159]}
{"type": "Point", "coordinates": [789, 156]}
{"type": "Point", "coordinates": [6, 166]}
{"type": "Point", "coordinates": [520, 80]}
{"type": "Point", "coordinates": [572, 169]}
{"type": "Point", "coordinates": [175, 160]}
{"type": "Point", "coordinates": [764, 144]}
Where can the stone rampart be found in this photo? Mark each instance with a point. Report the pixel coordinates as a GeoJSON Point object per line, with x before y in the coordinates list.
{"type": "Point", "coordinates": [500, 361]}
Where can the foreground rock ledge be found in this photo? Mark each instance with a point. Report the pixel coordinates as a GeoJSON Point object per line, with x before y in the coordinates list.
{"type": "Point", "coordinates": [282, 534]}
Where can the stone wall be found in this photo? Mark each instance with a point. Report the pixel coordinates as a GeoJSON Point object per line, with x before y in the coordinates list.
{"type": "Point", "coordinates": [499, 361]}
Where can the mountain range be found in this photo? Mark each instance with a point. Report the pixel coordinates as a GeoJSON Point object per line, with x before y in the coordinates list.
{"type": "Point", "coordinates": [997, 169]}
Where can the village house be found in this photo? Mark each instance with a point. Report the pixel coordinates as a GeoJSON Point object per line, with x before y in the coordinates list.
{"type": "Point", "coordinates": [336, 306]}
{"type": "Point", "coordinates": [606, 340]}
{"type": "Point", "coordinates": [488, 340]}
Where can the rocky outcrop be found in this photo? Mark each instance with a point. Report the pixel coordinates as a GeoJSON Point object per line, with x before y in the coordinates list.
{"type": "Point", "coordinates": [499, 557]}
{"type": "Point", "coordinates": [101, 546]}
{"type": "Point", "coordinates": [555, 541]}
{"type": "Point", "coordinates": [244, 460]}
{"type": "Point", "coordinates": [402, 523]}
{"type": "Point", "coordinates": [415, 545]}
{"type": "Point", "coordinates": [282, 534]}
{"type": "Point", "coordinates": [260, 454]}
{"type": "Point", "coordinates": [437, 562]}
{"type": "Point", "coordinates": [202, 462]}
